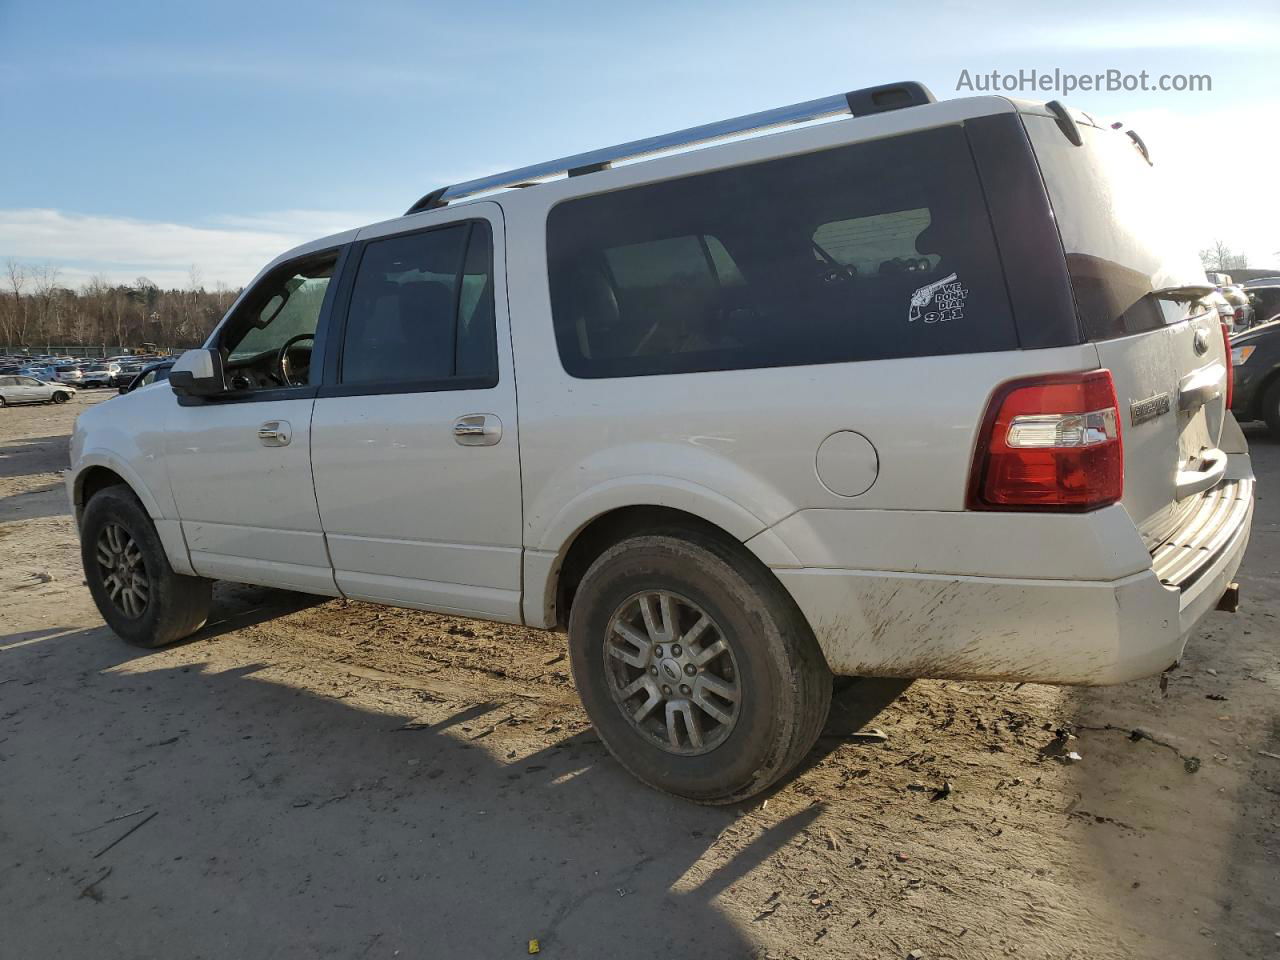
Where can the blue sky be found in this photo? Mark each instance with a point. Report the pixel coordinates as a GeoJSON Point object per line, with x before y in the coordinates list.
{"type": "Point", "coordinates": [145, 138]}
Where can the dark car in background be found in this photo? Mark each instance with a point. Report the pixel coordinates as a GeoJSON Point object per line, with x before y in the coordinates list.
{"type": "Point", "coordinates": [1265, 298]}
{"type": "Point", "coordinates": [1255, 355]}
{"type": "Point", "coordinates": [127, 372]}
{"type": "Point", "coordinates": [149, 374]}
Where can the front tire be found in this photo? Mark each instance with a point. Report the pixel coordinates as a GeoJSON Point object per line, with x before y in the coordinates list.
{"type": "Point", "coordinates": [695, 666]}
{"type": "Point", "coordinates": [136, 590]}
{"type": "Point", "coordinates": [61, 396]}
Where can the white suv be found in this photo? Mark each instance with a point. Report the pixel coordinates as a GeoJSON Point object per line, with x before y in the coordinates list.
{"type": "Point", "coordinates": [928, 391]}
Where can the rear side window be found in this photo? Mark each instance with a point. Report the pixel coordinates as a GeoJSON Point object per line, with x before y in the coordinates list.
{"type": "Point", "coordinates": [422, 310]}
{"type": "Point", "coordinates": [865, 252]}
{"type": "Point", "coordinates": [1124, 234]}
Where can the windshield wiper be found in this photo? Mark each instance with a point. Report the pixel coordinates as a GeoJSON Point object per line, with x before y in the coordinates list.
{"type": "Point", "coordinates": [1191, 291]}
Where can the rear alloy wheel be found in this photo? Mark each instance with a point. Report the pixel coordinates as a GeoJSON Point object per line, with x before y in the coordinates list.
{"type": "Point", "coordinates": [136, 590]}
{"type": "Point", "coordinates": [697, 670]}
{"type": "Point", "coordinates": [672, 672]}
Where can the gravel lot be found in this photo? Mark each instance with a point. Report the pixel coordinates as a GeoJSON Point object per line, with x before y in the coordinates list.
{"type": "Point", "coordinates": [323, 778]}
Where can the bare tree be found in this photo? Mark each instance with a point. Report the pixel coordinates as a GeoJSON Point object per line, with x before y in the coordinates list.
{"type": "Point", "coordinates": [16, 322]}
{"type": "Point", "coordinates": [44, 281]}
{"type": "Point", "coordinates": [34, 308]}
{"type": "Point", "coordinates": [1220, 258]}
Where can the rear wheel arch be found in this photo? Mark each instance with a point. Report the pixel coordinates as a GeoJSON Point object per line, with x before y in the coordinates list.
{"type": "Point", "coordinates": [612, 527]}
{"type": "Point", "coordinates": [606, 529]}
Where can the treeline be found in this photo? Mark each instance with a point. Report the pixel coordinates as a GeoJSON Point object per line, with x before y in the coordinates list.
{"type": "Point", "coordinates": [37, 309]}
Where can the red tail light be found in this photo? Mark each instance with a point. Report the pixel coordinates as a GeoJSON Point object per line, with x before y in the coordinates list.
{"type": "Point", "coordinates": [1050, 443]}
{"type": "Point", "coordinates": [1231, 367]}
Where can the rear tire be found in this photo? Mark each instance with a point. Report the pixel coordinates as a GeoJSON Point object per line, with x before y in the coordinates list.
{"type": "Point", "coordinates": [758, 704]}
{"type": "Point", "coordinates": [1271, 408]}
{"type": "Point", "coordinates": [129, 576]}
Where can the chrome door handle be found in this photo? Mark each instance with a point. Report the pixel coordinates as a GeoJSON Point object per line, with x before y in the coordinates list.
{"type": "Point", "coordinates": [275, 433]}
{"type": "Point", "coordinates": [477, 430]}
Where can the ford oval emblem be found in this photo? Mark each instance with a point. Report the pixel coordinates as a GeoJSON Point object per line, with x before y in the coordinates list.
{"type": "Point", "coordinates": [1201, 343]}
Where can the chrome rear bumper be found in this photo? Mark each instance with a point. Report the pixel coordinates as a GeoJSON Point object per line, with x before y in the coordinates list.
{"type": "Point", "coordinates": [1203, 536]}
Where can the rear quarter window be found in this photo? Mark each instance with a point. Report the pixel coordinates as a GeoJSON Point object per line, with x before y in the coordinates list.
{"type": "Point", "coordinates": [862, 252]}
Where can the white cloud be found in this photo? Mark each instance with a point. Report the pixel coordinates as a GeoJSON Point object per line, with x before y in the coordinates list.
{"type": "Point", "coordinates": [231, 250]}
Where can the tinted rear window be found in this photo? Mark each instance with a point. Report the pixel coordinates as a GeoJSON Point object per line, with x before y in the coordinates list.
{"type": "Point", "coordinates": [1123, 231]}
{"type": "Point", "coordinates": [864, 252]}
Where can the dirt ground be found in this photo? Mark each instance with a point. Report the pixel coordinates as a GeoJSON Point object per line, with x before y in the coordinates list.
{"type": "Point", "coordinates": [312, 778]}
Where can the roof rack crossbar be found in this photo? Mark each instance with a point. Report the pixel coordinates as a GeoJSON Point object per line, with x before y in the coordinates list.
{"type": "Point", "coordinates": [856, 103]}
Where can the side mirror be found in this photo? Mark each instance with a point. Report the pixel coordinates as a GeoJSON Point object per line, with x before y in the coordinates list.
{"type": "Point", "coordinates": [198, 373]}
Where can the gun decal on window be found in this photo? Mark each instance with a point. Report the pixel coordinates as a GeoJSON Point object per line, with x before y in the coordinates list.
{"type": "Point", "coordinates": [947, 296]}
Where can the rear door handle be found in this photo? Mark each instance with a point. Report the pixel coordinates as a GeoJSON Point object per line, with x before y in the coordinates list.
{"type": "Point", "coordinates": [477, 430]}
{"type": "Point", "coordinates": [275, 433]}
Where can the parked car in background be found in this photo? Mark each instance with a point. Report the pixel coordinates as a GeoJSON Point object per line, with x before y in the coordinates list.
{"type": "Point", "coordinates": [126, 373]}
{"type": "Point", "coordinates": [1222, 306]}
{"type": "Point", "coordinates": [98, 374]}
{"type": "Point", "coordinates": [919, 392]}
{"type": "Point", "coordinates": [20, 389]}
{"type": "Point", "coordinates": [1241, 307]}
{"type": "Point", "coordinates": [1265, 298]}
{"type": "Point", "coordinates": [46, 373]}
{"type": "Point", "coordinates": [69, 373]}
{"type": "Point", "coordinates": [1256, 356]}
{"type": "Point", "coordinates": [148, 375]}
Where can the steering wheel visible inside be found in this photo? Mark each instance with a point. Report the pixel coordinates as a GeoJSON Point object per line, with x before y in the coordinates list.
{"type": "Point", "coordinates": [292, 369]}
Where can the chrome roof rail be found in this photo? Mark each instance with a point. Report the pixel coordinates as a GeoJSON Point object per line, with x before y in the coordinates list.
{"type": "Point", "coordinates": [891, 96]}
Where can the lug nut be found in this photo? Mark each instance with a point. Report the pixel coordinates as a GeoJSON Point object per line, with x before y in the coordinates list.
{"type": "Point", "coordinates": [657, 652]}
{"type": "Point", "coordinates": [666, 690]}
{"type": "Point", "coordinates": [684, 688]}
{"type": "Point", "coordinates": [690, 669]}
{"type": "Point", "coordinates": [675, 649]}
{"type": "Point", "coordinates": [654, 671]}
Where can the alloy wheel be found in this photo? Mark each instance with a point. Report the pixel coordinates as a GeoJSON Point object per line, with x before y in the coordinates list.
{"type": "Point", "coordinates": [124, 574]}
{"type": "Point", "coordinates": [672, 672]}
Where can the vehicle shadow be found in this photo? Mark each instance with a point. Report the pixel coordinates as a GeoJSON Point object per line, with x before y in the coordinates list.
{"type": "Point", "coordinates": [290, 822]}
{"type": "Point", "coordinates": [31, 455]}
{"type": "Point", "coordinates": [49, 500]}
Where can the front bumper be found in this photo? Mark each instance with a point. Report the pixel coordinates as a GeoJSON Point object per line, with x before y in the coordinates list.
{"type": "Point", "coordinates": [878, 623]}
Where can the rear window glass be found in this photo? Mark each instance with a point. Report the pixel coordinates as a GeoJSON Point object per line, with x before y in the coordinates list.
{"type": "Point", "coordinates": [1123, 230]}
{"type": "Point", "coordinates": [870, 251]}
